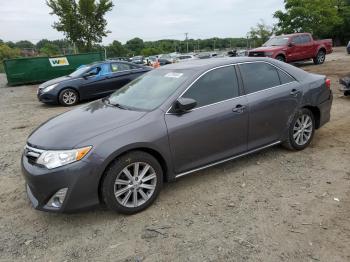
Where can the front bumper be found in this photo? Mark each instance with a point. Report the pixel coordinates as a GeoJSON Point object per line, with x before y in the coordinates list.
{"type": "Point", "coordinates": [80, 178]}
{"type": "Point", "coordinates": [47, 98]}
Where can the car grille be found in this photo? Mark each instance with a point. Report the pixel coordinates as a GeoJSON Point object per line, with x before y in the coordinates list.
{"type": "Point", "coordinates": [256, 54]}
{"type": "Point", "coordinates": [32, 154]}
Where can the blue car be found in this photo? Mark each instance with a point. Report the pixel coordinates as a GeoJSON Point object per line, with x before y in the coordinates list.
{"type": "Point", "coordinates": [88, 82]}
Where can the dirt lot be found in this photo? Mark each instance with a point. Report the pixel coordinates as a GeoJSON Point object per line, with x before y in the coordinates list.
{"type": "Point", "coordinates": [274, 205]}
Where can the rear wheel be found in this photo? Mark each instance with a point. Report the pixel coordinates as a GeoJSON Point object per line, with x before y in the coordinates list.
{"type": "Point", "coordinates": [280, 58]}
{"type": "Point", "coordinates": [320, 58]}
{"type": "Point", "coordinates": [132, 183]}
{"type": "Point", "coordinates": [347, 93]}
{"type": "Point", "coordinates": [301, 130]}
{"type": "Point", "coordinates": [68, 97]}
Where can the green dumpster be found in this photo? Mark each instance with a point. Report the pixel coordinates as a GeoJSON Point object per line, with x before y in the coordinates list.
{"type": "Point", "coordinates": [40, 69]}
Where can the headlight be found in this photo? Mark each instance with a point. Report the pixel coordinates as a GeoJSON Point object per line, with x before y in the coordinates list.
{"type": "Point", "coordinates": [49, 88]}
{"type": "Point", "coordinates": [268, 54]}
{"type": "Point", "coordinates": [52, 159]}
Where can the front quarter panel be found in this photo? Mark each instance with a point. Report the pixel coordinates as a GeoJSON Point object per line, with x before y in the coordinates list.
{"type": "Point", "coordinates": [149, 134]}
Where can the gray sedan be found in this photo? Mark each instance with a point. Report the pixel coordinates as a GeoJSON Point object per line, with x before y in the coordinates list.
{"type": "Point", "coordinates": [169, 123]}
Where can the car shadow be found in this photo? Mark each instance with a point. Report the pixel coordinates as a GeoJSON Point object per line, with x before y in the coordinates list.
{"type": "Point", "coordinates": [100, 214]}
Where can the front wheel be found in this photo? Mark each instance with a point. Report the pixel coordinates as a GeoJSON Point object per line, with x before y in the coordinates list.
{"type": "Point", "coordinates": [320, 58]}
{"type": "Point", "coordinates": [68, 97]}
{"type": "Point", "coordinates": [301, 130]}
{"type": "Point", "coordinates": [280, 58]}
{"type": "Point", "coordinates": [132, 182]}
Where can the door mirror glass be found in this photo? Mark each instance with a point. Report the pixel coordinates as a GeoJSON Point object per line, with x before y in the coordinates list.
{"type": "Point", "coordinates": [183, 105]}
{"type": "Point", "coordinates": [291, 44]}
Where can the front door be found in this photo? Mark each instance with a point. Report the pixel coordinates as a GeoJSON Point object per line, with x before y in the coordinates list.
{"type": "Point", "coordinates": [216, 129]}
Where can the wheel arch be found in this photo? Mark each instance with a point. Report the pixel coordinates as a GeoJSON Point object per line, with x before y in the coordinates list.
{"type": "Point", "coordinates": [153, 152]}
{"type": "Point", "coordinates": [316, 113]}
{"type": "Point", "coordinates": [69, 87]}
{"type": "Point", "coordinates": [283, 55]}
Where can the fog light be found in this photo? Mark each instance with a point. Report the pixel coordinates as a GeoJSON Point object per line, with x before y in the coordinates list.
{"type": "Point", "coordinates": [57, 199]}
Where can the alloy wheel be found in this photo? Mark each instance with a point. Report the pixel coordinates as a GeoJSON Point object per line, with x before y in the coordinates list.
{"type": "Point", "coordinates": [135, 184]}
{"type": "Point", "coordinates": [69, 97]}
{"type": "Point", "coordinates": [321, 58]}
{"type": "Point", "coordinates": [302, 130]}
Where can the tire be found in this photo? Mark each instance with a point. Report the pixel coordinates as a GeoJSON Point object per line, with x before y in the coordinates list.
{"type": "Point", "coordinates": [120, 184]}
{"type": "Point", "coordinates": [320, 58]}
{"type": "Point", "coordinates": [68, 97]}
{"type": "Point", "coordinates": [280, 58]}
{"type": "Point", "coordinates": [300, 137]}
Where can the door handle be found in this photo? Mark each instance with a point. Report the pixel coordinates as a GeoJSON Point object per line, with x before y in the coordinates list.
{"type": "Point", "coordinates": [238, 109]}
{"type": "Point", "coordinates": [294, 92]}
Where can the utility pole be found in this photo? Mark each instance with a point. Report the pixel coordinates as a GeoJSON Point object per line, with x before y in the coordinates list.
{"type": "Point", "coordinates": [186, 34]}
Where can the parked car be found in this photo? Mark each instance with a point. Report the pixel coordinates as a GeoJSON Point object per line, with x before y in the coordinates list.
{"type": "Point", "coordinates": [89, 82]}
{"type": "Point", "coordinates": [295, 47]}
{"type": "Point", "coordinates": [188, 57]}
{"type": "Point", "coordinates": [348, 48]}
{"type": "Point", "coordinates": [345, 82]}
{"type": "Point", "coordinates": [139, 60]}
{"type": "Point", "coordinates": [166, 124]}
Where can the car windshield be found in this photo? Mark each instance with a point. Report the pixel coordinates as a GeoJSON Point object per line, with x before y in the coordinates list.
{"type": "Point", "coordinates": [149, 91]}
{"type": "Point", "coordinates": [277, 41]}
{"type": "Point", "coordinates": [80, 71]}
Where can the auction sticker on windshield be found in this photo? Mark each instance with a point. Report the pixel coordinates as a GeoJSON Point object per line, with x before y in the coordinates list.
{"type": "Point", "coordinates": [174, 75]}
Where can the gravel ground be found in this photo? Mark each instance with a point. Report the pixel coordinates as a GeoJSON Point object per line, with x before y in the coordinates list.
{"type": "Point", "coordinates": [274, 205]}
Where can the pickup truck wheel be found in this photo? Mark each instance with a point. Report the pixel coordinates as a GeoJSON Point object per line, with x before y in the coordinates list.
{"type": "Point", "coordinates": [280, 58]}
{"type": "Point", "coordinates": [347, 93]}
{"type": "Point", "coordinates": [320, 58]}
{"type": "Point", "coordinates": [301, 130]}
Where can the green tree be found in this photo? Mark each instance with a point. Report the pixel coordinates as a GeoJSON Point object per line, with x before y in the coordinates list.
{"type": "Point", "coordinates": [149, 51]}
{"type": "Point", "coordinates": [50, 49]}
{"type": "Point", "coordinates": [135, 46]}
{"type": "Point", "coordinates": [82, 21]}
{"type": "Point", "coordinates": [260, 34]}
{"type": "Point", "coordinates": [116, 49]}
{"type": "Point", "coordinates": [24, 44]}
{"type": "Point", "coordinates": [7, 52]}
{"type": "Point", "coordinates": [318, 17]}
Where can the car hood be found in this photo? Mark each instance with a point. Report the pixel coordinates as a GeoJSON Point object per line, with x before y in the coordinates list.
{"type": "Point", "coordinates": [67, 130]}
{"type": "Point", "coordinates": [56, 81]}
{"type": "Point", "coordinates": [267, 49]}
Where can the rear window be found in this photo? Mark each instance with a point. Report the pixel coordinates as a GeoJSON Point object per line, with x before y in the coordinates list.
{"type": "Point", "coordinates": [285, 78]}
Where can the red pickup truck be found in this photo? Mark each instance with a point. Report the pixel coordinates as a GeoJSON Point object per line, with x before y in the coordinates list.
{"type": "Point", "coordinates": [295, 47]}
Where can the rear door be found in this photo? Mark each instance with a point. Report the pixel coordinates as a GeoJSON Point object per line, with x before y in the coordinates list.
{"type": "Point", "coordinates": [273, 97]}
{"type": "Point", "coordinates": [216, 129]}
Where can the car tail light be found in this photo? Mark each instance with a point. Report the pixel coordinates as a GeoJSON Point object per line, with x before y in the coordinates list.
{"type": "Point", "coordinates": [328, 83]}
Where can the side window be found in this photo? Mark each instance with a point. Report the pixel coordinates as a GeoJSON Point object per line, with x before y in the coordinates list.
{"type": "Point", "coordinates": [297, 40]}
{"type": "Point", "coordinates": [215, 86]}
{"type": "Point", "coordinates": [285, 78]}
{"type": "Point", "coordinates": [117, 67]}
{"type": "Point", "coordinates": [259, 76]}
{"type": "Point", "coordinates": [94, 71]}
{"type": "Point", "coordinates": [306, 39]}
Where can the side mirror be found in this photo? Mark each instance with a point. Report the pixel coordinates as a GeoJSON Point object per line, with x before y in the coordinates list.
{"type": "Point", "coordinates": [291, 44]}
{"type": "Point", "coordinates": [183, 105]}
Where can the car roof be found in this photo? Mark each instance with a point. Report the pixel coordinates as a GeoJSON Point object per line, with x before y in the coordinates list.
{"type": "Point", "coordinates": [204, 64]}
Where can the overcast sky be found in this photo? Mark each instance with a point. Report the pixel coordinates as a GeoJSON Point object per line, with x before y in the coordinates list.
{"type": "Point", "coordinates": [147, 19]}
